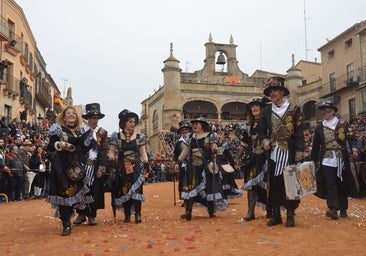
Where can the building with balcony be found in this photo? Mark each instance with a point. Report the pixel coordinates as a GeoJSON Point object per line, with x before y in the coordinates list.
{"type": "Point", "coordinates": [25, 85]}
{"type": "Point", "coordinates": [343, 71]}
{"type": "Point", "coordinates": [220, 91]}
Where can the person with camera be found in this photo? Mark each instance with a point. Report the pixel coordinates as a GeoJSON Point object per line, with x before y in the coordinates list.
{"type": "Point", "coordinates": [95, 164]}
{"type": "Point", "coordinates": [66, 150]}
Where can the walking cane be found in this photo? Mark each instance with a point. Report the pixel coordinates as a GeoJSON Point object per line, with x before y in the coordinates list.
{"type": "Point", "coordinates": [175, 202]}
{"type": "Point", "coordinates": [213, 177]}
{"type": "Point", "coordinates": [114, 208]}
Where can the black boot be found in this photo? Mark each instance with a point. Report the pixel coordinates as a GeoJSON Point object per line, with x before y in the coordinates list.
{"type": "Point", "coordinates": [332, 213]}
{"type": "Point", "coordinates": [80, 219]}
{"type": "Point", "coordinates": [92, 221]}
{"type": "Point", "coordinates": [127, 211]}
{"type": "Point", "coordinates": [189, 206]}
{"type": "Point", "coordinates": [137, 206]}
{"type": "Point", "coordinates": [343, 213]}
{"type": "Point", "coordinates": [290, 221]}
{"type": "Point", "coordinates": [252, 199]}
{"type": "Point", "coordinates": [66, 225]}
{"type": "Point", "coordinates": [276, 218]}
{"type": "Point", "coordinates": [211, 209]}
{"type": "Point", "coordinates": [269, 211]}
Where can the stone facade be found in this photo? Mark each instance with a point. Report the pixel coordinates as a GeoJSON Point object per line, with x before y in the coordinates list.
{"type": "Point", "coordinates": [344, 71]}
{"type": "Point", "coordinates": [27, 89]}
{"type": "Point", "coordinates": [219, 91]}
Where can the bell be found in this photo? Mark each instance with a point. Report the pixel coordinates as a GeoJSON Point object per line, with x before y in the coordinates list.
{"type": "Point", "coordinates": [221, 59]}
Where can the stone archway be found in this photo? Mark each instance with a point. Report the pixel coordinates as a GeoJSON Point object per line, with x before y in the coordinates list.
{"type": "Point", "coordinates": [233, 111]}
{"type": "Point", "coordinates": [196, 108]}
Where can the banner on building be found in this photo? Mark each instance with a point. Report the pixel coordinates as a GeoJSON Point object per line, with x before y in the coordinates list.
{"type": "Point", "coordinates": [233, 80]}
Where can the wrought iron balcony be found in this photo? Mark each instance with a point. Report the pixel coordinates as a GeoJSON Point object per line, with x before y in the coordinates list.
{"type": "Point", "coordinates": [43, 94]}
{"type": "Point", "coordinates": [4, 30]}
{"type": "Point", "coordinates": [11, 88]}
{"type": "Point", "coordinates": [14, 44]}
{"type": "Point", "coordinates": [343, 82]}
{"type": "Point", "coordinates": [25, 95]}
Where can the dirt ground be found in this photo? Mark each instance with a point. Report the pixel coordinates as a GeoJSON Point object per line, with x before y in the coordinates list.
{"type": "Point", "coordinates": [29, 228]}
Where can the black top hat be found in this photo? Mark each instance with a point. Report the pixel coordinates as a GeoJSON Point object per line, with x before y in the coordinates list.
{"type": "Point", "coordinates": [126, 114]}
{"type": "Point", "coordinates": [328, 104]}
{"type": "Point", "coordinates": [184, 124]}
{"type": "Point", "coordinates": [277, 83]}
{"type": "Point", "coordinates": [258, 101]}
{"type": "Point", "coordinates": [92, 109]}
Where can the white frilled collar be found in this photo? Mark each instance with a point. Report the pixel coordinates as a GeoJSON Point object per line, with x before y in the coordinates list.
{"type": "Point", "coordinates": [331, 124]}
{"type": "Point", "coordinates": [280, 111]}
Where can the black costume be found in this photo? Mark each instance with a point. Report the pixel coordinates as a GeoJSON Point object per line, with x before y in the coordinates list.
{"type": "Point", "coordinates": [202, 181]}
{"type": "Point", "coordinates": [286, 135]}
{"type": "Point", "coordinates": [66, 191]}
{"type": "Point", "coordinates": [128, 193]}
{"type": "Point", "coordinates": [96, 160]}
{"type": "Point", "coordinates": [255, 173]}
{"type": "Point", "coordinates": [178, 149]}
{"type": "Point", "coordinates": [331, 149]}
{"type": "Point", "coordinates": [224, 158]}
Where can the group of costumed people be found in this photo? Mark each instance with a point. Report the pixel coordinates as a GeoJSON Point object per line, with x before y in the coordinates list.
{"type": "Point", "coordinates": [274, 140]}
{"type": "Point", "coordinates": [84, 159]}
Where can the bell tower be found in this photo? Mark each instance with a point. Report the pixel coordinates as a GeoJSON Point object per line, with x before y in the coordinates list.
{"type": "Point", "coordinates": [294, 81]}
{"type": "Point", "coordinates": [172, 108]}
{"type": "Point", "coordinates": [220, 62]}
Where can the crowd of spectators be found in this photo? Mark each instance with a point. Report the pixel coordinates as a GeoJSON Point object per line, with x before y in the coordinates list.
{"type": "Point", "coordinates": [21, 139]}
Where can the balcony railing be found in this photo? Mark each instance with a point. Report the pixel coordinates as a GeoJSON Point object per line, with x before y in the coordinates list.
{"type": "Point", "coordinates": [11, 85]}
{"type": "Point", "coordinates": [4, 30]}
{"type": "Point", "coordinates": [25, 94]}
{"type": "Point", "coordinates": [14, 44]}
{"type": "Point", "coordinates": [43, 94]}
{"type": "Point", "coordinates": [341, 82]}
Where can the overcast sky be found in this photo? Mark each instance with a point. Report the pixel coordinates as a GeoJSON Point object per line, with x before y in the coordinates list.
{"type": "Point", "coordinates": [119, 46]}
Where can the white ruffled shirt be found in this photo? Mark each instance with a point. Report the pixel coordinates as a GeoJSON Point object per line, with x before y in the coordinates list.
{"type": "Point", "coordinates": [92, 154]}
{"type": "Point", "coordinates": [277, 155]}
{"type": "Point", "coordinates": [331, 124]}
{"type": "Point", "coordinates": [280, 111]}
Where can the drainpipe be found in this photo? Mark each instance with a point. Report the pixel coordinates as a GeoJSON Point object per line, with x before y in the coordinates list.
{"type": "Point", "coordinates": [361, 60]}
